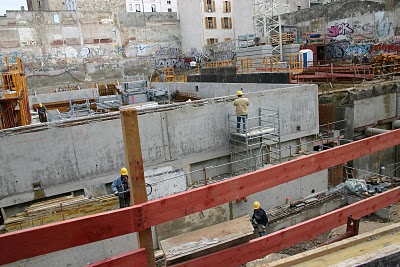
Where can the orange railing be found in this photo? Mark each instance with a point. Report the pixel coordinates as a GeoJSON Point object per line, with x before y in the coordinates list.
{"type": "Point", "coordinates": [58, 236]}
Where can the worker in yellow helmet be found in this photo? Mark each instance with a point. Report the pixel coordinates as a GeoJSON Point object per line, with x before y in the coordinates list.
{"type": "Point", "coordinates": [241, 111]}
{"type": "Point", "coordinates": [42, 111]}
{"type": "Point", "coordinates": [365, 59]}
{"type": "Point", "coordinates": [121, 188]}
{"type": "Point", "coordinates": [260, 218]}
{"type": "Point", "coordinates": [355, 59]}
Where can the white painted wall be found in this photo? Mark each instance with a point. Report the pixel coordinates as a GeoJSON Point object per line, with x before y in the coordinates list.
{"type": "Point", "coordinates": [191, 25]}
{"type": "Point", "coordinates": [146, 5]}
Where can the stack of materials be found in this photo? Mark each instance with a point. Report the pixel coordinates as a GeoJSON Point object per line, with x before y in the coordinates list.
{"type": "Point", "coordinates": [60, 209]}
{"type": "Point", "coordinates": [386, 65]}
{"type": "Point", "coordinates": [287, 38]}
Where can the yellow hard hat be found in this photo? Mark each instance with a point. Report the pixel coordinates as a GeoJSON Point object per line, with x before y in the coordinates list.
{"type": "Point", "coordinates": [256, 205]}
{"type": "Point", "coordinates": [40, 105]}
{"type": "Point", "coordinates": [239, 93]}
{"type": "Point", "coordinates": [355, 55]}
{"type": "Point", "coordinates": [124, 171]}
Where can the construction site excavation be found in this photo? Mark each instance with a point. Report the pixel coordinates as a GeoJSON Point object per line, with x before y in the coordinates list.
{"type": "Point", "coordinates": [200, 133]}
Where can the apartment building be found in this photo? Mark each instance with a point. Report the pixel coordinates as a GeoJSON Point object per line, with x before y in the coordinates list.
{"type": "Point", "coordinates": [152, 5]}
{"type": "Point", "coordinates": [205, 22]}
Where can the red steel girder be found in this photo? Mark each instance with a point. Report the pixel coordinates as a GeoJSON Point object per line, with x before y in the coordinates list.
{"type": "Point", "coordinates": [53, 237]}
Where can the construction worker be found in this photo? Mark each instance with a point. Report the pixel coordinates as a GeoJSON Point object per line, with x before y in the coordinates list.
{"type": "Point", "coordinates": [42, 113]}
{"type": "Point", "coordinates": [355, 59]}
{"type": "Point", "coordinates": [241, 104]}
{"type": "Point", "coordinates": [260, 218]}
{"type": "Point", "coordinates": [365, 59]}
{"type": "Point", "coordinates": [120, 187]}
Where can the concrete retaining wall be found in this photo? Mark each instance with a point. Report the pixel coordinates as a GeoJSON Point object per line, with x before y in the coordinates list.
{"type": "Point", "coordinates": [212, 90]}
{"type": "Point", "coordinates": [71, 155]}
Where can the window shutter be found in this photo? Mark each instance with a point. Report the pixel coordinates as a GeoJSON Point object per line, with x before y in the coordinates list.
{"type": "Point", "coordinates": [208, 41]}
{"type": "Point", "coordinates": [214, 23]}
{"type": "Point", "coordinates": [222, 23]}
{"type": "Point", "coordinates": [216, 40]}
{"type": "Point", "coordinates": [206, 22]}
{"type": "Point", "coordinates": [205, 6]}
{"type": "Point", "coordinates": [229, 6]}
{"type": "Point", "coordinates": [213, 6]}
{"type": "Point", "coordinates": [230, 23]}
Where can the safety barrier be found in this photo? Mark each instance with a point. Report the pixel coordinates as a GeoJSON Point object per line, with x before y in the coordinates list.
{"type": "Point", "coordinates": [58, 236]}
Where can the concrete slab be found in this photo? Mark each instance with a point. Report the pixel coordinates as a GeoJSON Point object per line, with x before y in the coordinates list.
{"type": "Point", "coordinates": [207, 240]}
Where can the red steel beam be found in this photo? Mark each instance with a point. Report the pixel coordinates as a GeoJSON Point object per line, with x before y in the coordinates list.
{"type": "Point", "coordinates": [53, 237]}
{"type": "Point", "coordinates": [261, 247]}
{"type": "Point", "coordinates": [168, 208]}
{"type": "Point", "coordinates": [67, 234]}
{"type": "Point", "coordinates": [133, 258]}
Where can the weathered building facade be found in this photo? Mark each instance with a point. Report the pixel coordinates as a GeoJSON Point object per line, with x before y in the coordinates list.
{"type": "Point", "coordinates": [88, 45]}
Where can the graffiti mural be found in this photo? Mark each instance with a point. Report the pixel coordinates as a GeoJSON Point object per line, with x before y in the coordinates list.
{"type": "Point", "coordinates": [221, 51]}
{"type": "Point", "coordinates": [340, 29]}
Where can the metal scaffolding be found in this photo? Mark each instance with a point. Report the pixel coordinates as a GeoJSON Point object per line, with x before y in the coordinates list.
{"type": "Point", "coordinates": [267, 22]}
{"type": "Point", "coordinates": [256, 142]}
{"type": "Point", "coordinates": [14, 102]}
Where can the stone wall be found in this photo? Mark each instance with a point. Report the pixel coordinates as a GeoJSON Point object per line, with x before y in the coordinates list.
{"type": "Point", "coordinates": [101, 5]}
{"type": "Point", "coordinates": [351, 27]}
{"type": "Point", "coordinates": [71, 47]}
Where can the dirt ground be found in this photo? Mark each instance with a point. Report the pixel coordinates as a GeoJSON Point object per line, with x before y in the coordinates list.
{"type": "Point", "coordinates": [367, 224]}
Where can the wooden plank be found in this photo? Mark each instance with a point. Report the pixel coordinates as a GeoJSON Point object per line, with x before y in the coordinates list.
{"type": "Point", "coordinates": [133, 153]}
{"type": "Point", "coordinates": [260, 247]}
{"type": "Point", "coordinates": [328, 249]}
{"type": "Point", "coordinates": [207, 240]}
{"type": "Point", "coordinates": [58, 236]}
{"type": "Point", "coordinates": [133, 258]}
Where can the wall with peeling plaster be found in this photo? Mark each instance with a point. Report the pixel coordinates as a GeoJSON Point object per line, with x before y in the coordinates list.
{"type": "Point", "coordinates": [90, 46]}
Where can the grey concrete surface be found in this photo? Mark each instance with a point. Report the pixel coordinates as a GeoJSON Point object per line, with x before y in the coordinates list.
{"type": "Point", "coordinates": [68, 155]}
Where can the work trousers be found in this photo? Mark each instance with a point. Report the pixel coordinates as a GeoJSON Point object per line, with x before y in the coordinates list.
{"type": "Point", "coordinates": [242, 118]}
{"type": "Point", "coordinates": [124, 200]}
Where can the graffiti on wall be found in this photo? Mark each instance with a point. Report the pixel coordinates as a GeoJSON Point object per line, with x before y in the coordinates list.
{"type": "Point", "coordinates": [344, 49]}
{"type": "Point", "coordinates": [371, 28]}
{"type": "Point", "coordinates": [340, 29]}
{"type": "Point", "coordinates": [221, 51]}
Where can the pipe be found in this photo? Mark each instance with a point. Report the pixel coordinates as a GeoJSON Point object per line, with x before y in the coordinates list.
{"type": "Point", "coordinates": [375, 131]}
{"type": "Point", "coordinates": [396, 124]}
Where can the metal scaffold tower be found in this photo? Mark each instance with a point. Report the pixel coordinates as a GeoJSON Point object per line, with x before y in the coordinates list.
{"type": "Point", "coordinates": [267, 23]}
{"type": "Point", "coordinates": [255, 143]}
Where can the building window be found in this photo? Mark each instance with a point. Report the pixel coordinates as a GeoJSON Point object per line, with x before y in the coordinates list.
{"type": "Point", "coordinates": [211, 23]}
{"type": "Point", "coordinates": [226, 23]}
{"type": "Point", "coordinates": [211, 41]}
{"type": "Point", "coordinates": [153, 8]}
{"type": "Point", "coordinates": [227, 39]}
{"type": "Point", "coordinates": [209, 6]}
{"type": "Point", "coordinates": [168, 2]}
{"type": "Point", "coordinates": [130, 7]}
{"type": "Point", "coordinates": [227, 6]}
{"type": "Point", "coordinates": [169, 9]}
{"type": "Point", "coordinates": [39, 4]}
{"type": "Point", "coordinates": [137, 7]}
